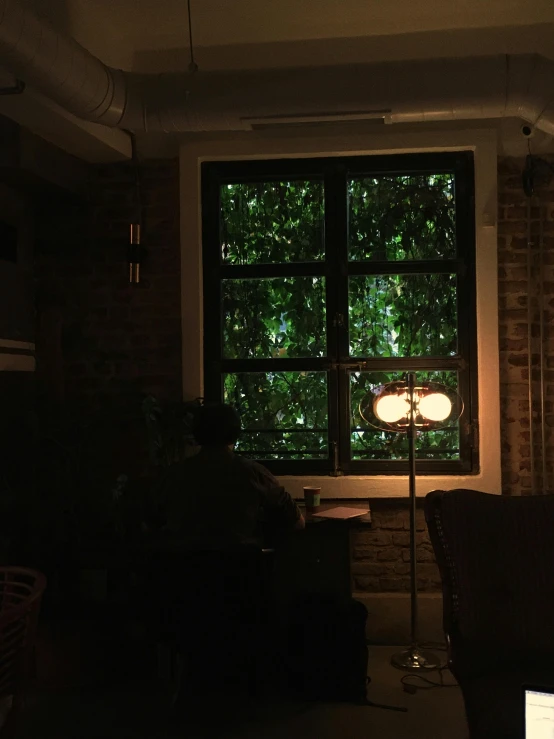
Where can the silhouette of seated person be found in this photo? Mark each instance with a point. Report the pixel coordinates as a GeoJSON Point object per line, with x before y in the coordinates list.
{"type": "Point", "coordinates": [217, 505]}
{"type": "Point", "coordinates": [218, 499]}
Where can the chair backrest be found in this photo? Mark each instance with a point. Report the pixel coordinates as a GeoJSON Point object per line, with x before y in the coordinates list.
{"type": "Point", "coordinates": [496, 558]}
{"type": "Point", "coordinates": [21, 591]}
{"type": "Point", "coordinates": [229, 578]}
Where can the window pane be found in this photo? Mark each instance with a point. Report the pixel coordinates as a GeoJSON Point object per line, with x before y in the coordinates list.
{"type": "Point", "coordinates": [369, 443]}
{"type": "Point", "coordinates": [403, 315]}
{"type": "Point", "coordinates": [272, 222]}
{"type": "Point", "coordinates": [274, 317]}
{"type": "Point", "coordinates": [284, 414]}
{"type": "Point", "coordinates": [397, 217]}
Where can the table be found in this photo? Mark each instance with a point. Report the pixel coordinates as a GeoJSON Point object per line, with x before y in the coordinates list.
{"type": "Point", "coordinates": [318, 558]}
{"type": "Point", "coordinates": [364, 517]}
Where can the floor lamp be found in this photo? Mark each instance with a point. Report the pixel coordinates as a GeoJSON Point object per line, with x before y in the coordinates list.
{"type": "Point", "coordinates": [408, 407]}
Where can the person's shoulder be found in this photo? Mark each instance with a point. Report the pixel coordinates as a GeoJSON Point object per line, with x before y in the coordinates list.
{"type": "Point", "coordinates": [245, 463]}
{"type": "Point", "coordinates": [187, 462]}
{"type": "Point", "coordinates": [182, 467]}
{"type": "Point", "coordinates": [256, 470]}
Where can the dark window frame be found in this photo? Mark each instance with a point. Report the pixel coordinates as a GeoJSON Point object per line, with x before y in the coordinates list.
{"type": "Point", "coordinates": [336, 268]}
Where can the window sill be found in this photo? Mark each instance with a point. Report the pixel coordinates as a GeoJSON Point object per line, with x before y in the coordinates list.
{"type": "Point", "coordinates": [381, 486]}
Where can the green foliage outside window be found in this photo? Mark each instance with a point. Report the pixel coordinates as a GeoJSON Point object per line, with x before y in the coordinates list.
{"type": "Point", "coordinates": [272, 222]}
{"type": "Point", "coordinates": [402, 315]}
{"type": "Point", "coordinates": [277, 317]}
{"type": "Point", "coordinates": [402, 217]}
{"type": "Point", "coordinates": [392, 219]}
{"type": "Point", "coordinates": [284, 414]}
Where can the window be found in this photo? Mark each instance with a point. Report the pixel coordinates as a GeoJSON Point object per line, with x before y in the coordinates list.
{"type": "Point", "coordinates": [325, 278]}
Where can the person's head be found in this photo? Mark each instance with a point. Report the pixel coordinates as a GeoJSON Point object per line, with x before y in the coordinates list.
{"type": "Point", "coordinates": [216, 424]}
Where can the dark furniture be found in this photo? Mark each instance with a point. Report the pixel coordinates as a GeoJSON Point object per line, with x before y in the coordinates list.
{"type": "Point", "coordinates": [21, 591]}
{"type": "Point", "coordinates": [150, 588]}
{"type": "Point", "coordinates": [235, 603]}
{"type": "Point", "coordinates": [211, 609]}
{"type": "Point", "coordinates": [318, 559]}
{"type": "Point", "coordinates": [496, 559]}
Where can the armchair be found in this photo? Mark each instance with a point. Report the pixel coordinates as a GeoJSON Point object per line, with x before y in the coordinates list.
{"type": "Point", "coordinates": [496, 559]}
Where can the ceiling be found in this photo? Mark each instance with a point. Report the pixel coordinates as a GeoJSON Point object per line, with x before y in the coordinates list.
{"type": "Point", "coordinates": [153, 34]}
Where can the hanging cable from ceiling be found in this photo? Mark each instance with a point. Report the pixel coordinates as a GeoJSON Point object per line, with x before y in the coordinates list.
{"type": "Point", "coordinates": [193, 66]}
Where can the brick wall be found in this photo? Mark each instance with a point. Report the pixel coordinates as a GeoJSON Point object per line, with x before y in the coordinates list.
{"type": "Point", "coordinates": [513, 251]}
{"type": "Point", "coordinates": [102, 343]}
{"type": "Point", "coordinates": [381, 555]}
{"type": "Point", "coordinates": [118, 341]}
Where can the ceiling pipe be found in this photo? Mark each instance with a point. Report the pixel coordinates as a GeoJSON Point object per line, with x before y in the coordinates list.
{"type": "Point", "coordinates": [519, 86]}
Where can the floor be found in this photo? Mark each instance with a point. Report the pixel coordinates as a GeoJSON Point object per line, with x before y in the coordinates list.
{"type": "Point", "coordinates": [133, 709]}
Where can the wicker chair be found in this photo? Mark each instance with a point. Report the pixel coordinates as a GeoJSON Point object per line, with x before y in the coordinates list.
{"type": "Point", "coordinates": [496, 559]}
{"type": "Point", "coordinates": [21, 591]}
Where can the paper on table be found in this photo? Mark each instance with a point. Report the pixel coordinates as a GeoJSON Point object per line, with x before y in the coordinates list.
{"type": "Point", "coordinates": [341, 512]}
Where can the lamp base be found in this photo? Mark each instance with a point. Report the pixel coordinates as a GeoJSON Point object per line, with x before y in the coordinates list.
{"type": "Point", "coordinates": [415, 658]}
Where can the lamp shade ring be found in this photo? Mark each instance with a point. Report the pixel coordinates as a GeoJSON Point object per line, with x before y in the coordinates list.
{"type": "Point", "coordinates": [388, 407]}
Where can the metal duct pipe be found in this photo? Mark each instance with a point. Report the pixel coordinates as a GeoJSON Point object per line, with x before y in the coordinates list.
{"type": "Point", "coordinates": [435, 90]}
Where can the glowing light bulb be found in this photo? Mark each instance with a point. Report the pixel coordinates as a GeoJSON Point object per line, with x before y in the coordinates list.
{"type": "Point", "coordinates": [435, 407]}
{"type": "Point", "coordinates": [391, 408]}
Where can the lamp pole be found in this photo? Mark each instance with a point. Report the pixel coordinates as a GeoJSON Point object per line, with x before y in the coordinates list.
{"type": "Point", "coordinates": [413, 658]}
{"type": "Point", "coordinates": [412, 492]}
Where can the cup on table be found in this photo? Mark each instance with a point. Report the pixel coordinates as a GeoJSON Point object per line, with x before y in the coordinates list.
{"type": "Point", "coordinates": [312, 499]}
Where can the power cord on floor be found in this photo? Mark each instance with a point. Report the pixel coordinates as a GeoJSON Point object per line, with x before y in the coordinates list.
{"type": "Point", "coordinates": [411, 687]}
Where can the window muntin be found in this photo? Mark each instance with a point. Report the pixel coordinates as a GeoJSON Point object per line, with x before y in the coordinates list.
{"type": "Point", "coordinates": [284, 414]}
{"type": "Point", "coordinates": [274, 317]}
{"type": "Point", "coordinates": [272, 221]}
{"type": "Point", "coordinates": [395, 217]}
{"type": "Point", "coordinates": [337, 278]}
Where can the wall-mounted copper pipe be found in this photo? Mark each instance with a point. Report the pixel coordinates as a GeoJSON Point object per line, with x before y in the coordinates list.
{"type": "Point", "coordinates": [134, 233]}
{"type": "Point", "coordinates": [545, 481]}
{"type": "Point", "coordinates": [134, 259]}
{"type": "Point", "coordinates": [530, 347]}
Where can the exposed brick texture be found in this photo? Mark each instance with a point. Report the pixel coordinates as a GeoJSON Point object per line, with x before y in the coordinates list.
{"type": "Point", "coordinates": [103, 344]}
{"type": "Point", "coordinates": [381, 555]}
{"type": "Point", "coordinates": [119, 342]}
{"type": "Point", "coordinates": [515, 289]}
